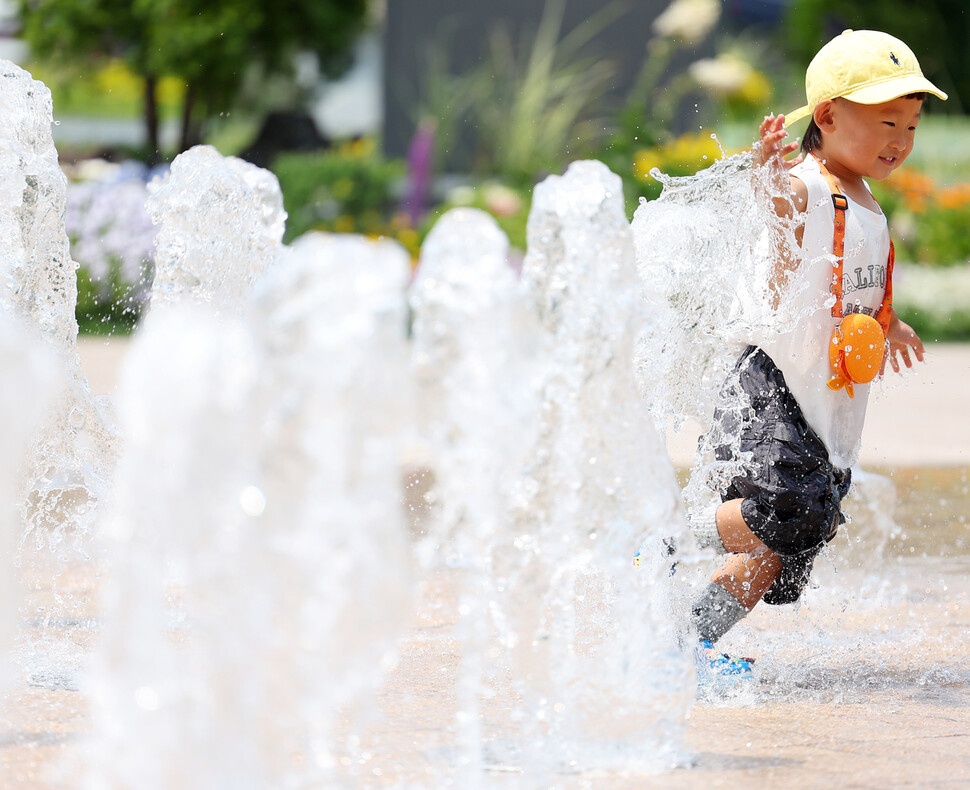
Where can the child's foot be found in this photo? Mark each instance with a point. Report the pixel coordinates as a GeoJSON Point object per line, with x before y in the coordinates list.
{"type": "Point", "coordinates": [720, 668]}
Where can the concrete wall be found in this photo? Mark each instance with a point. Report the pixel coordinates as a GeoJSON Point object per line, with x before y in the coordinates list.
{"type": "Point", "coordinates": [463, 28]}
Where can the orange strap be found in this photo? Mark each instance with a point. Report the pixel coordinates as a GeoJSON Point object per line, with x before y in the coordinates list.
{"type": "Point", "coordinates": [841, 204]}
{"type": "Point", "coordinates": [886, 308]}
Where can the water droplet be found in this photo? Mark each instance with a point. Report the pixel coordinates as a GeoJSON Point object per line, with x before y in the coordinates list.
{"type": "Point", "coordinates": [253, 501]}
{"type": "Point", "coordinates": [77, 418]}
{"type": "Point", "coordinates": [146, 698]}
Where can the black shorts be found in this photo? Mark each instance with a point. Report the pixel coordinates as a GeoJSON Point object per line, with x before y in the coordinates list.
{"type": "Point", "coordinates": [792, 493]}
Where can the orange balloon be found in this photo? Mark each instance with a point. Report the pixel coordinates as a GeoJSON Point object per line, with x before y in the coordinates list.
{"type": "Point", "coordinates": [858, 347]}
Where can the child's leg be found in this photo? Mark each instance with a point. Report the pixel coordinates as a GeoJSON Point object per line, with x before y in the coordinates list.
{"type": "Point", "coordinates": [751, 570]}
{"type": "Point", "coordinates": [740, 582]}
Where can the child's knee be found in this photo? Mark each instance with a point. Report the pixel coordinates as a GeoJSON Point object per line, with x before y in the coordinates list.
{"type": "Point", "coordinates": [794, 522]}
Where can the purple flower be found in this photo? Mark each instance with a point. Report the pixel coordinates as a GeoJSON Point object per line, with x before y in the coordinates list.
{"type": "Point", "coordinates": [420, 161]}
{"type": "Point", "coordinates": [112, 236]}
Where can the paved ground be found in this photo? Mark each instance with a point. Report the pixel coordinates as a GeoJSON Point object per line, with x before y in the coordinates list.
{"type": "Point", "coordinates": [866, 685]}
{"type": "Point", "coordinates": [918, 418]}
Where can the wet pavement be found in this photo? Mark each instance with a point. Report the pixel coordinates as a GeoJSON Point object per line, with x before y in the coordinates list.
{"type": "Point", "coordinates": [865, 684]}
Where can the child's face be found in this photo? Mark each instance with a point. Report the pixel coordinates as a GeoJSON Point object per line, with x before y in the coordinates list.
{"type": "Point", "coordinates": [869, 140]}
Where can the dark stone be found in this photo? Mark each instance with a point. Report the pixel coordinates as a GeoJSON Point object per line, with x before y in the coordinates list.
{"type": "Point", "coordinates": [290, 130]}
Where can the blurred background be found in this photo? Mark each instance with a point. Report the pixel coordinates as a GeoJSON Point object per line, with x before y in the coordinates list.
{"type": "Point", "coordinates": [379, 115]}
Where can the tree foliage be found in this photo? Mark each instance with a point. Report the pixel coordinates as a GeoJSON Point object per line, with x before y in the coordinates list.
{"type": "Point", "coordinates": [211, 45]}
{"type": "Point", "coordinates": [936, 30]}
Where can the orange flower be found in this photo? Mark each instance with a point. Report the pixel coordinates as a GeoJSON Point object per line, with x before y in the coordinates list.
{"type": "Point", "coordinates": [956, 196]}
{"type": "Point", "coordinates": [913, 186]}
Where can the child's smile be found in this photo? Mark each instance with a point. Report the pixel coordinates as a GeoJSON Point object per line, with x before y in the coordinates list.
{"type": "Point", "coordinates": [867, 140]}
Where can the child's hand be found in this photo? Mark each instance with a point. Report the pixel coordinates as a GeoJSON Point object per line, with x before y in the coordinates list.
{"type": "Point", "coordinates": [901, 338]}
{"type": "Point", "coordinates": [781, 193]}
{"type": "Point", "coordinates": [772, 149]}
{"type": "Point", "coordinates": [774, 182]}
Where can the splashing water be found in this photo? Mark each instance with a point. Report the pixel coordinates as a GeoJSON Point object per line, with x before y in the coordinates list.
{"type": "Point", "coordinates": [257, 567]}
{"type": "Point", "coordinates": [599, 647]}
{"type": "Point", "coordinates": [25, 359]}
{"type": "Point", "coordinates": [262, 590]}
{"type": "Point", "coordinates": [71, 457]}
{"type": "Point", "coordinates": [554, 516]}
{"type": "Point", "coordinates": [67, 467]}
{"type": "Point", "coordinates": [38, 280]}
{"type": "Point", "coordinates": [204, 191]}
{"type": "Point", "coordinates": [475, 347]}
{"type": "Point", "coordinates": [703, 255]}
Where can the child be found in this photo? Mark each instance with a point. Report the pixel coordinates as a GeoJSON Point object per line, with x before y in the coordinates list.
{"type": "Point", "coordinates": [802, 424]}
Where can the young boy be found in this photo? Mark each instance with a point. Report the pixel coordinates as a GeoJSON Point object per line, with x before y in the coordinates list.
{"type": "Point", "coordinates": [801, 424]}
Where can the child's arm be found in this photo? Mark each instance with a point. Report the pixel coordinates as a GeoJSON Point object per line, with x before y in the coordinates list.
{"type": "Point", "coordinates": [785, 192]}
{"type": "Point", "coordinates": [788, 195]}
{"type": "Point", "coordinates": [901, 337]}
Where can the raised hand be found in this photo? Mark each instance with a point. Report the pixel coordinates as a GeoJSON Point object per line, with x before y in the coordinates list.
{"type": "Point", "coordinates": [770, 151]}
{"type": "Point", "coordinates": [783, 196]}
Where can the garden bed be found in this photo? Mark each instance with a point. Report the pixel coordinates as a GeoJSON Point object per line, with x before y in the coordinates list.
{"type": "Point", "coordinates": [354, 189]}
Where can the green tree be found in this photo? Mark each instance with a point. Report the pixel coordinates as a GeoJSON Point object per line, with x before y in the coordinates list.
{"type": "Point", "coordinates": [936, 30]}
{"type": "Point", "coordinates": [211, 45]}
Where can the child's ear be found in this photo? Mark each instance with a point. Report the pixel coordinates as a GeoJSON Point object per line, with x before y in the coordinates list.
{"type": "Point", "coordinates": [824, 115]}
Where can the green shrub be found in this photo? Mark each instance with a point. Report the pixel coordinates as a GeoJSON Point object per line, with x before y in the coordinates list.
{"type": "Point", "coordinates": [679, 156]}
{"type": "Point", "coordinates": [109, 306]}
{"type": "Point", "coordinates": [346, 190]}
{"type": "Point", "coordinates": [509, 207]}
{"type": "Point", "coordinates": [942, 237]}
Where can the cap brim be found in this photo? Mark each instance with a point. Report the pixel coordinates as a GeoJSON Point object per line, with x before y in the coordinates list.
{"type": "Point", "coordinates": [797, 115]}
{"type": "Point", "coordinates": [878, 93]}
{"type": "Point", "coordinates": [894, 88]}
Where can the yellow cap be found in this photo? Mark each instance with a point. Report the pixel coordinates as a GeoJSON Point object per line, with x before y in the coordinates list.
{"type": "Point", "coordinates": [864, 66]}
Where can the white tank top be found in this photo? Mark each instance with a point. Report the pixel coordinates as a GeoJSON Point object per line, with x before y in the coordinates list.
{"type": "Point", "coordinates": [802, 351]}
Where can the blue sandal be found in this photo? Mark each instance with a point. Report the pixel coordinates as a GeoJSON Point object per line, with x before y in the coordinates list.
{"type": "Point", "coordinates": [713, 665]}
